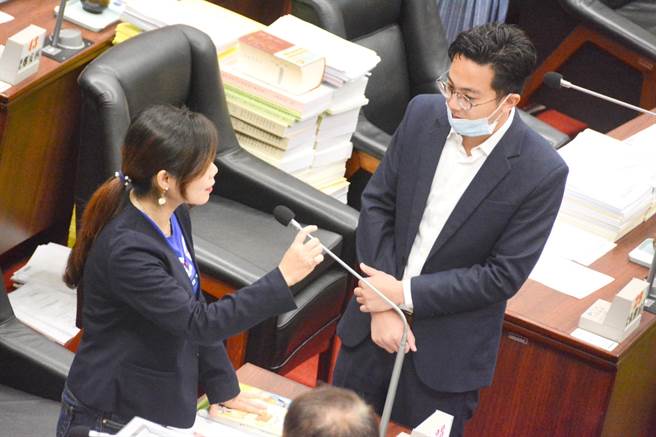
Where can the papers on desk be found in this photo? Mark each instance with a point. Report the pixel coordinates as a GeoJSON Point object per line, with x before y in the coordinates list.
{"type": "Point", "coordinates": [610, 188]}
{"type": "Point", "coordinates": [568, 276]}
{"type": "Point", "coordinates": [42, 300]}
{"type": "Point", "coordinates": [576, 244]}
{"type": "Point", "coordinates": [563, 263]}
{"type": "Point", "coordinates": [48, 263]}
{"type": "Point", "coordinates": [48, 310]}
{"type": "Point", "coordinates": [345, 60]}
{"type": "Point", "coordinates": [5, 18]}
{"type": "Point", "coordinates": [643, 137]}
{"type": "Point", "coordinates": [222, 25]}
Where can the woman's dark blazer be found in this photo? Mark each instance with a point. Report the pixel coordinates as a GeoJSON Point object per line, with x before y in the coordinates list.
{"type": "Point", "coordinates": [148, 341]}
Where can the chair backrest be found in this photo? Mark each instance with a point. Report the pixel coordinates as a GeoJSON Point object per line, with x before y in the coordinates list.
{"type": "Point", "coordinates": [174, 65]}
{"type": "Point", "coordinates": [6, 312]}
{"type": "Point", "coordinates": [407, 35]}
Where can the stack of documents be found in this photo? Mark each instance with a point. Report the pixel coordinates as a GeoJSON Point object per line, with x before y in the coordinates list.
{"type": "Point", "coordinates": [345, 61]}
{"type": "Point", "coordinates": [348, 66]}
{"type": "Point", "coordinates": [610, 190]}
{"type": "Point", "coordinates": [42, 300]}
{"type": "Point", "coordinates": [611, 184]}
{"type": "Point", "coordinates": [222, 25]}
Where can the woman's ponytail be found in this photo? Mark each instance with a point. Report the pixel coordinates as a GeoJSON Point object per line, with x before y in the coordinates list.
{"type": "Point", "coordinates": [105, 203]}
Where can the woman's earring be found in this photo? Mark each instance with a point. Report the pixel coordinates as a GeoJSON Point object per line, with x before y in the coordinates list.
{"type": "Point", "coordinates": [161, 201]}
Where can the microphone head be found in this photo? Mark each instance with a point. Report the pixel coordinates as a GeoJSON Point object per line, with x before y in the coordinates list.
{"type": "Point", "coordinates": [283, 214]}
{"type": "Point", "coordinates": [553, 79]}
{"type": "Point", "coordinates": [79, 431]}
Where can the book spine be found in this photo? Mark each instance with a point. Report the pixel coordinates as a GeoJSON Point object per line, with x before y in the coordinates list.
{"type": "Point", "coordinates": [255, 88]}
{"type": "Point", "coordinates": [259, 147]}
{"type": "Point", "coordinates": [264, 122]}
{"type": "Point", "coordinates": [262, 135]}
{"type": "Point", "coordinates": [256, 106]}
{"type": "Point", "coordinates": [261, 100]}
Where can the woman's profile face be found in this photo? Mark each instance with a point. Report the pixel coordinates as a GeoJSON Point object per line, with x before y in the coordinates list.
{"type": "Point", "coordinates": [199, 189]}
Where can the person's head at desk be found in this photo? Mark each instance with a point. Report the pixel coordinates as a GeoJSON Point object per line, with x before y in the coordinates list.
{"type": "Point", "coordinates": [330, 412]}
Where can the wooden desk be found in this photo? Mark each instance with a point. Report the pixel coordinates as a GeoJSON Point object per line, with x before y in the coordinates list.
{"type": "Point", "coordinates": [548, 383]}
{"type": "Point", "coordinates": [38, 131]}
{"type": "Point", "coordinates": [269, 381]}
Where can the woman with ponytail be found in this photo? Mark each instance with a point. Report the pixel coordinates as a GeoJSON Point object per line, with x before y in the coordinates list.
{"type": "Point", "coordinates": [149, 337]}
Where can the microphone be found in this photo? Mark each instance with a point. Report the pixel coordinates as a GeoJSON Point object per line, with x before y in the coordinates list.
{"type": "Point", "coordinates": [85, 431]}
{"type": "Point", "coordinates": [555, 80]}
{"type": "Point", "coordinates": [285, 216]}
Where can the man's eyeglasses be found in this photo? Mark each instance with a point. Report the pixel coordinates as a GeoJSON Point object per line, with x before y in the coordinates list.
{"type": "Point", "coordinates": [464, 102]}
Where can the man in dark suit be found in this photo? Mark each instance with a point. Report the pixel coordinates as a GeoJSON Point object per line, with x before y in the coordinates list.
{"type": "Point", "coordinates": [451, 224]}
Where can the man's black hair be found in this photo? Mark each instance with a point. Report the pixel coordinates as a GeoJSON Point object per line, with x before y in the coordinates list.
{"type": "Point", "coordinates": [504, 47]}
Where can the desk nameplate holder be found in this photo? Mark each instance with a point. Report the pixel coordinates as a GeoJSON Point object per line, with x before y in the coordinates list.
{"type": "Point", "coordinates": [20, 56]}
{"type": "Point", "coordinates": [644, 255]}
{"type": "Point", "coordinates": [620, 318]}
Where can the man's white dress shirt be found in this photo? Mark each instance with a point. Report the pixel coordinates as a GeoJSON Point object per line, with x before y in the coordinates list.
{"type": "Point", "coordinates": [455, 171]}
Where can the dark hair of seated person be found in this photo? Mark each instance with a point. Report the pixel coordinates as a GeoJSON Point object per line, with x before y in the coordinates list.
{"type": "Point", "coordinates": [160, 137]}
{"type": "Point", "coordinates": [330, 412]}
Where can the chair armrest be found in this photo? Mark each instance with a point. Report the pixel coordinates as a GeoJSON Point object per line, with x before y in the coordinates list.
{"type": "Point", "coordinates": [556, 138]}
{"type": "Point", "coordinates": [31, 362]}
{"type": "Point", "coordinates": [253, 182]}
{"type": "Point", "coordinates": [370, 139]}
{"type": "Point", "coordinates": [608, 20]}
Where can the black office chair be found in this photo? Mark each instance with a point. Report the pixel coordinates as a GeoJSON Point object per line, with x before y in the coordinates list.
{"type": "Point", "coordinates": [32, 376]}
{"type": "Point", "coordinates": [410, 40]}
{"type": "Point", "coordinates": [626, 29]}
{"type": "Point", "coordinates": [236, 238]}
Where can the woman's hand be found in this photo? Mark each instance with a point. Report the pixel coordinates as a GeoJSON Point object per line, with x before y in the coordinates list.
{"type": "Point", "coordinates": [301, 257]}
{"type": "Point", "coordinates": [247, 402]}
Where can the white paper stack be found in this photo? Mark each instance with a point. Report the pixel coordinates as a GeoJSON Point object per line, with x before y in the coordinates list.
{"type": "Point", "coordinates": [222, 25]}
{"type": "Point", "coordinates": [611, 184]}
{"type": "Point", "coordinates": [345, 61]}
{"type": "Point", "coordinates": [42, 300]}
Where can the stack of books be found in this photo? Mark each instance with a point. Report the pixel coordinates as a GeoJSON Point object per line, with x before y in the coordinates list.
{"type": "Point", "coordinates": [347, 72]}
{"type": "Point", "coordinates": [272, 123]}
{"type": "Point", "coordinates": [42, 301]}
{"type": "Point", "coordinates": [611, 185]}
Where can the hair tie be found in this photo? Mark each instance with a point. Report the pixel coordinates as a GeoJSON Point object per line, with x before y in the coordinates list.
{"type": "Point", "coordinates": [123, 178]}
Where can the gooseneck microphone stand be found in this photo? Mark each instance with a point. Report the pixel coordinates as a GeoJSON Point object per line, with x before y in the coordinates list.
{"type": "Point", "coordinates": [285, 217]}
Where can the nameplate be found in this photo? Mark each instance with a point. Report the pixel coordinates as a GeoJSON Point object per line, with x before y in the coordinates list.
{"type": "Point", "coordinates": [437, 424]}
{"type": "Point", "coordinates": [20, 56]}
{"type": "Point", "coordinates": [617, 319]}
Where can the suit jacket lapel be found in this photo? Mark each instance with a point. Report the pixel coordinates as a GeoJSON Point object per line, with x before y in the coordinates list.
{"type": "Point", "coordinates": [143, 225]}
{"type": "Point", "coordinates": [426, 166]}
{"type": "Point", "coordinates": [495, 168]}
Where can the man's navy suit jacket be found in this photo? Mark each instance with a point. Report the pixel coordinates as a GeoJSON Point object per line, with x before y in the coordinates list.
{"type": "Point", "coordinates": [486, 250]}
{"type": "Point", "coordinates": [148, 340]}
